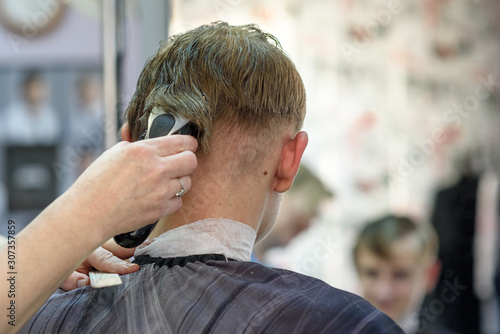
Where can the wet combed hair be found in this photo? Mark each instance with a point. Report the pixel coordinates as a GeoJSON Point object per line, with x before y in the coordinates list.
{"type": "Point", "coordinates": [378, 236]}
{"type": "Point", "coordinates": [237, 77]}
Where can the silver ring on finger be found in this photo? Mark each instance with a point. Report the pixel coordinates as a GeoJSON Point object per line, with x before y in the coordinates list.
{"type": "Point", "coordinates": [183, 191]}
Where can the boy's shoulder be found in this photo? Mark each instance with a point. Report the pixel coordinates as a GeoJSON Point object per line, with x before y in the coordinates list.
{"type": "Point", "coordinates": [215, 296]}
{"type": "Point", "coordinates": [307, 304]}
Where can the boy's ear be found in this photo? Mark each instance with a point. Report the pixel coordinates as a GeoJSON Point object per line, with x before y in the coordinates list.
{"type": "Point", "coordinates": [291, 154]}
{"type": "Point", "coordinates": [125, 132]}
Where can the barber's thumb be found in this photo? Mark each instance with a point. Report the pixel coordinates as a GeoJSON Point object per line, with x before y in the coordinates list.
{"type": "Point", "coordinates": [74, 281]}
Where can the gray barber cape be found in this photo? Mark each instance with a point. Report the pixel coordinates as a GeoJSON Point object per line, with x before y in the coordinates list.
{"type": "Point", "coordinates": [209, 294]}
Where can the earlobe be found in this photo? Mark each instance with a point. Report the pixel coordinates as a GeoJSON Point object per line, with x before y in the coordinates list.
{"type": "Point", "coordinates": [125, 132]}
{"type": "Point", "coordinates": [291, 154]}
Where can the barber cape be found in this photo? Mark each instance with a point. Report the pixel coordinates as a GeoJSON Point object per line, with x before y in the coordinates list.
{"type": "Point", "coordinates": [197, 279]}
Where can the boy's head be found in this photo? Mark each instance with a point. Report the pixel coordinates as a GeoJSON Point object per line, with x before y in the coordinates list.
{"type": "Point", "coordinates": [233, 78]}
{"type": "Point", "coordinates": [396, 260]}
{"type": "Point", "coordinates": [244, 94]}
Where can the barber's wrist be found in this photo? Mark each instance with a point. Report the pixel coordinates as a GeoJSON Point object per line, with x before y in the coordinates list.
{"type": "Point", "coordinates": [85, 218]}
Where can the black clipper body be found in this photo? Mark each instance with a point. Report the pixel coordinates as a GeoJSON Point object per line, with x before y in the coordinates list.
{"type": "Point", "coordinates": [159, 124]}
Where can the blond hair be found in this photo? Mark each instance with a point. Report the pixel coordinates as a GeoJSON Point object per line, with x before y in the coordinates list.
{"type": "Point", "coordinates": [233, 76]}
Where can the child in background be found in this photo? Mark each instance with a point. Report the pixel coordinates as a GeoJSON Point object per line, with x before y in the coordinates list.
{"type": "Point", "coordinates": [396, 261]}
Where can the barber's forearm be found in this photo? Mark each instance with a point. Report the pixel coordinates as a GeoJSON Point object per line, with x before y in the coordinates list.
{"type": "Point", "coordinates": [107, 199]}
{"type": "Point", "coordinates": [47, 252]}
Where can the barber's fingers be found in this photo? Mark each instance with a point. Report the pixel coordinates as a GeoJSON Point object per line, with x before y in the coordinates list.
{"type": "Point", "coordinates": [177, 185]}
{"type": "Point", "coordinates": [122, 252]}
{"type": "Point", "coordinates": [119, 251]}
{"type": "Point", "coordinates": [164, 199]}
{"type": "Point", "coordinates": [169, 145]}
{"type": "Point", "coordinates": [103, 260]}
{"type": "Point", "coordinates": [74, 281]}
{"type": "Point", "coordinates": [171, 191]}
{"type": "Point", "coordinates": [127, 186]}
{"type": "Point", "coordinates": [177, 165]}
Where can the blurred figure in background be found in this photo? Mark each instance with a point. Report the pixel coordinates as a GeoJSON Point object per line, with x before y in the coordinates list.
{"type": "Point", "coordinates": [31, 120]}
{"type": "Point", "coordinates": [454, 218]}
{"type": "Point", "coordinates": [300, 205]}
{"type": "Point", "coordinates": [396, 260]}
{"type": "Point", "coordinates": [32, 133]}
{"type": "Point", "coordinates": [85, 132]}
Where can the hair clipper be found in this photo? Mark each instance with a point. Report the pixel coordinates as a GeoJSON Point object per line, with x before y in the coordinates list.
{"type": "Point", "coordinates": [159, 124]}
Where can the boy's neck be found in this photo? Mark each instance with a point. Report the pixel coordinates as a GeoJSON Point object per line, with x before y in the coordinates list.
{"type": "Point", "coordinates": [196, 208]}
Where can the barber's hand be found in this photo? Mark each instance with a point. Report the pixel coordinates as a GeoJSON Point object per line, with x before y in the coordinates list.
{"type": "Point", "coordinates": [134, 184]}
{"type": "Point", "coordinates": [109, 258]}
